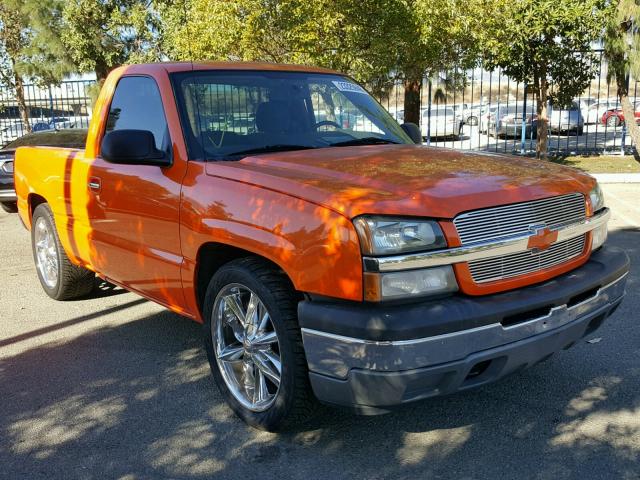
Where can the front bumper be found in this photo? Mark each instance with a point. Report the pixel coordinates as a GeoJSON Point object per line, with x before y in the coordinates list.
{"type": "Point", "coordinates": [373, 358]}
{"type": "Point", "coordinates": [8, 195]}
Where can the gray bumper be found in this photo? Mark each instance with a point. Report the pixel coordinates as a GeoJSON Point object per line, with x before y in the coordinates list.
{"type": "Point", "coordinates": [8, 196]}
{"type": "Point", "coordinates": [375, 375]}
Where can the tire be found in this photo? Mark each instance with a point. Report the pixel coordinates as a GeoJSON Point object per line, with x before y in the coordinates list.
{"type": "Point", "coordinates": [473, 121]}
{"type": "Point", "coordinates": [287, 405]}
{"type": "Point", "coordinates": [9, 207]}
{"type": "Point", "coordinates": [579, 131]}
{"type": "Point", "coordinates": [613, 121]}
{"type": "Point", "coordinates": [69, 281]}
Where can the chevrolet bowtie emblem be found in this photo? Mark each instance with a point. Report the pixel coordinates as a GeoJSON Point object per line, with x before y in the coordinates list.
{"type": "Point", "coordinates": [542, 237]}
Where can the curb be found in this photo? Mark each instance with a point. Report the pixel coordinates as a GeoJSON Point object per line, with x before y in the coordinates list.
{"type": "Point", "coordinates": [617, 177]}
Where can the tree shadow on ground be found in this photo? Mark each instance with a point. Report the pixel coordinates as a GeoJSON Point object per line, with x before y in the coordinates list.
{"type": "Point", "coordinates": [137, 401]}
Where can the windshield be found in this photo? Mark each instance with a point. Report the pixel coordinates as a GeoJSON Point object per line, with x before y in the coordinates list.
{"type": "Point", "coordinates": [227, 115]}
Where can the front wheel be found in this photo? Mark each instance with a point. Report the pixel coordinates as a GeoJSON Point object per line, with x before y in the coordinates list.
{"type": "Point", "coordinates": [254, 345]}
{"type": "Point", "coordinates": [60, 279]}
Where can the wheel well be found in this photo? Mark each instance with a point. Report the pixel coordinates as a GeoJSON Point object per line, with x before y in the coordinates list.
{"type": "Point", "coordinates": [211, 257]}
{"type": "Point", "coordinates": [34, 201]}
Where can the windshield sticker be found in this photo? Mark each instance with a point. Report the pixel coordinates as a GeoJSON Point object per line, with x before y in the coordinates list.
{"type": "Point", "coordinates": [348, 87]}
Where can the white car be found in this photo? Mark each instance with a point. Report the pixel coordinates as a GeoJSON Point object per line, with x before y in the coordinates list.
{"type": "Point", "coordinates": [444, 123]}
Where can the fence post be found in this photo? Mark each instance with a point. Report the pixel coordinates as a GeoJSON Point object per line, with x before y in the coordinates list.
{"type": "Point", "coordinates": [523, 133]}
{"type": "Point", "coordinates": [429, 115]}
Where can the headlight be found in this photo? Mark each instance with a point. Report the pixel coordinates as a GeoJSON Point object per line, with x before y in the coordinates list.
{"type": "Point", "coordinates": [388, 236]}
{"type": "Point", "coordinates": [409, 283]}
{"type": "Point", "coordinates": [597, 199]}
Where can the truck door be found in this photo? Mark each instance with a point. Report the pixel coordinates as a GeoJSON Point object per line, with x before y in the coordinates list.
{"type": "Point", "coordinates": [134, 209]}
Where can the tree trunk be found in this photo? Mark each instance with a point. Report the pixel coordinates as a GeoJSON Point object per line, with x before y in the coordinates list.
{"type": "Point", "coordinates": [329, 105]}
{"type": "Point", "coordinates": [22, 104]}
{"type": "Point", "coordinates": [102, 71]}
{"type": "Point", "coordinates": [412, 100]}
{"type": "Point", "coordinates": [629, 115]}
{"type": "Point", "coordinates": [543, 119]}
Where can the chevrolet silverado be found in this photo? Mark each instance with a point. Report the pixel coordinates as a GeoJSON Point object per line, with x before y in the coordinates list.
{"type": "Point", "coordinates": [328, 256]}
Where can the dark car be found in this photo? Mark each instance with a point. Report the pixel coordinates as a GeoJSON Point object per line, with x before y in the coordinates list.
{"type": "Point", "coordinates": [70, 138]}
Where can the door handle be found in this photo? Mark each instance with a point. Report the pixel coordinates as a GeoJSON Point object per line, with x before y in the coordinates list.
{"type": "Point", "coordinates": [95, 184]}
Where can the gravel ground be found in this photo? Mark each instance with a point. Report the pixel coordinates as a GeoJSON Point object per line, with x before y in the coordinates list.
{"type": "Point", "coordinates": [118, 388]}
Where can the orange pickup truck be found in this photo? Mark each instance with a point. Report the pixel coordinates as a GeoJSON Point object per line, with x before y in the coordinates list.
{"type": "Point", "coordinates": [328, 256]}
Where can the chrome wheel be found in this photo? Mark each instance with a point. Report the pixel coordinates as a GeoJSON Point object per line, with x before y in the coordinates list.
{"type": "Point", "coordinates": [46, 253]}
{"type": "Point", "coordinates": [246, 347]}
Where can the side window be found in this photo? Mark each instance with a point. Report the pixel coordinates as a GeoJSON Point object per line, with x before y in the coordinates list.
{"type": "Point", "coordinates": [136, 105]}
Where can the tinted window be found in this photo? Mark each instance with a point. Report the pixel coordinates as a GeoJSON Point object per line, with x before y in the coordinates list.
{"type": "Point", "coordinates": [137, 105]}
{"type": "Point", "coordinates": [55, 138]}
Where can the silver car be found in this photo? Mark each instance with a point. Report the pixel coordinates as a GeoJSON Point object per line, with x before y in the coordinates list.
{"type": "Point", "coordinates": [566, 119]}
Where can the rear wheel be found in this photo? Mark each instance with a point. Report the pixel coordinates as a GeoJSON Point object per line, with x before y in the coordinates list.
{"type": "Point", "coordinates": [254, 345]}
{"type": "Point", "coordinates": [60, 279]}
{"type": "Point", "coordinates": [613, 121]}
{"type": "Point", "coordinates": [9, 207]}
{"type": "Point", "coordinates": [472, 121]}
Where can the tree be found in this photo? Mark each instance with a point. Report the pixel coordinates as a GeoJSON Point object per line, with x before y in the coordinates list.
{"type": "Point", "coordinates": [375, 41]}
{"type": "Point", "coordinates": [435, 36]}
{"type": "Point", "coordinates": [621, 49]}
{"type": "Point", "coordinates": [103, 34]}
{"type": "Point", "coordinates": [546, 44]}
{"type": "Point", "coordinates": [29, 47]}
{"type": "Point", "coordinates": [346, 35]}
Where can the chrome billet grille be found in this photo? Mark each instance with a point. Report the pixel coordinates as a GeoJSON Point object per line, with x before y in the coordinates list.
{"type": "Point", "coordinates": [496, 222]}
{"type": "Point", "coordinates": [508, 266]}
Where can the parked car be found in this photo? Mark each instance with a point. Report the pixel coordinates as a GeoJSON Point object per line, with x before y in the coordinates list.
{"type": "Point", "coordinates": [595, 111]}
{"type": "Point", "coordinates": [462, 111]}
{"type": "Point", "coordinates": [566, 120]}
{"type": "Point", "coordinates": [473, 114]}
{"type": "Point", "coordinates": [73, 138]}
{"type": "Point", "coordinates": [507, 121]}
{"type": "Point", "coordinates": [485, 117]}
{"type": "Point", "coordinates": [584, 103]}
{"type": "Point", "coordinates": [444, 123]}
{"type": "Point", "coordinates": [615, 118]}
{"type": "Point", "coordinates": [354, 268]}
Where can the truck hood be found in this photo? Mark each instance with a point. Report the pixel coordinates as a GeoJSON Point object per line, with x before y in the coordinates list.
{"type": "Point", "coordinates": [404, 179]}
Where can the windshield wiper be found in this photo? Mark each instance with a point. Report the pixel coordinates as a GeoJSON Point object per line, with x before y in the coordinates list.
{"type": "Point", "coordinates": [269, 149]}
{"type": "Point", "coordinates": [362, 141]}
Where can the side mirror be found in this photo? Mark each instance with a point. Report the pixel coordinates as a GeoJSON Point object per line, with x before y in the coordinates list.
{"type": "Point", "coordinates": [133, 147]}
{"type": "Point", "coordinates": [413, 131]}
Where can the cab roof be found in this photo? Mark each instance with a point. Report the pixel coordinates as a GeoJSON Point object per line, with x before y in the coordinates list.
{"type": "Point", "coordinates": [173, 67]}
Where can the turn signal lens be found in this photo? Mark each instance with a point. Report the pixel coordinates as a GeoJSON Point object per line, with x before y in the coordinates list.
{"type": "Point", "coordinates": [599, 236]}
{"type": "Point", "coordinates": [409, 284]}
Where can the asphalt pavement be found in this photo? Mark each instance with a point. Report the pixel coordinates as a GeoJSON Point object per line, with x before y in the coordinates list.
{"type": "Point", "coordinates": [116, 387]}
